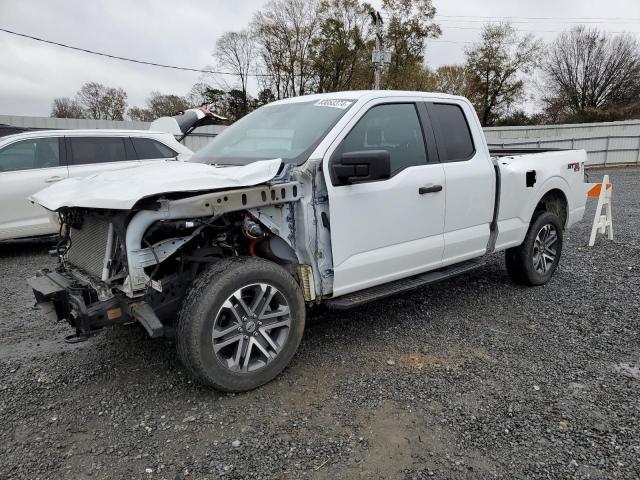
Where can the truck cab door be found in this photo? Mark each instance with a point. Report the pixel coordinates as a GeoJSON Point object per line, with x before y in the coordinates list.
{"type": "Point", "coordinates": [387, 229]}
{"type": "Point", "coordinates": [470, 179]}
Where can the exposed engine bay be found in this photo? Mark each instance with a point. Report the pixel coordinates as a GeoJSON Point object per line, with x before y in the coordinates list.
{"type": "Point", "coordinates": [139, 263]}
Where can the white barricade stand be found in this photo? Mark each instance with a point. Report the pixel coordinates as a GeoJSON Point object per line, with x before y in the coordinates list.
{"type": "Point", "coordinates": [602, 222]}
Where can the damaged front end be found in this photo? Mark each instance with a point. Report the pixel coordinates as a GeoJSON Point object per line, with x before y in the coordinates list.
{"type": "Point", "coordinates": [120, 266]}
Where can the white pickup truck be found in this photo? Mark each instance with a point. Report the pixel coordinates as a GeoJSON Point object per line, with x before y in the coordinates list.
{"type": "Point", "coordinates": [336, 199]}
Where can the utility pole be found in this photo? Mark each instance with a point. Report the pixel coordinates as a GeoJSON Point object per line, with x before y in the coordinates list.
{"type": "Point", "coordinates": [380, 57]}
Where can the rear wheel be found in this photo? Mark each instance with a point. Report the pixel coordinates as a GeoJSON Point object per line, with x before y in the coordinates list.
{"type": "Point", "coordinates": [240, 324]}
{"type": "Point", "coordinates": [536, 259]}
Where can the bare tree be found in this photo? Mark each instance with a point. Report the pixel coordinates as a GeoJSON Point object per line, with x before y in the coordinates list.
{"type": "Point", "coordinates": [284, 31]}
{"type": "Point", "coordinates": [498, 65]}
{"type": "Point", "coordinates": [65, 107]}
{"type": "Point", "coordinates": [235, 52]}
{"type": "Point", "coordinates": [586, 69]}
{"type": "Point", "coordinates": [140, 114]}
{"type": "Point", "coordinates": [102, 103]}
{"type": "Point", "coordinates": [159, 105]}
{"type": "Point", "coordinates": [163, 105]}
{"type": "Point", "coordinates": [201, 94]}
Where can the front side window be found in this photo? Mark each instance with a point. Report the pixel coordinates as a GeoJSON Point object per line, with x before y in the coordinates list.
{"type": "Point", "coordinates": [30, 154]}
{"type": "Point", "coordinates": [395, 128]}
{"type": "Point", "coordinates": [147, 149]}
{"type": "Point", "coordinates": [87, 150]}
{"type": "Point", "coordinates": [289, 131]}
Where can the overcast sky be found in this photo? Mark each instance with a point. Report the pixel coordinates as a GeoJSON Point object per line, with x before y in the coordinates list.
{"type": "Point", "coordinates": [184, 32]}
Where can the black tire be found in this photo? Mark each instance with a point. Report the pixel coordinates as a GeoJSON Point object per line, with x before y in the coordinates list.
{"type": "Point", "coordinates": [214, 290]}
{"type": "Point", "coordinates": [523, 261]}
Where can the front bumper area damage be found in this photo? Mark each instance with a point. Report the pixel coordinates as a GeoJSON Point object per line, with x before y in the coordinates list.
{"type": "Point", "coordinates": [61, 297]}
{"type": "Point", "coordinates": [135, 265]}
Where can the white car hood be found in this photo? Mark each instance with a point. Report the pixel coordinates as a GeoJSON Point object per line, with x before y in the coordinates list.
{"type": "Point", "coordinates": [121, 189]}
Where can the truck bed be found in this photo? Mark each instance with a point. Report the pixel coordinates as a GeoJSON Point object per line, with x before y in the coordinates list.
{"type": "Point", "coordinates": [526, 177]}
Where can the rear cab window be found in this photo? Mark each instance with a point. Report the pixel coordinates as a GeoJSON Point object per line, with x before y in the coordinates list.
{"type": "Point", "coordinates": [88, 150]}
{"type": "Point", "coordinates": [453, 135]}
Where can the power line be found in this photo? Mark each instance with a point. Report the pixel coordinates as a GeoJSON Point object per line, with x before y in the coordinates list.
{"type": "Point", "coordinates": [217, 72]}
{"type": "Point", "coordinates": [533, 22]}
{"type": "Point", "coordinates": [528, 30]}
{"type": "Point", "coordinates": [431, 40]}
{"type": "Point", "coordinates": [599, 19]}
{"type": "Point", "coordinates": [530, 20]}
{"type": "Point", "coordinates": [117, 57]}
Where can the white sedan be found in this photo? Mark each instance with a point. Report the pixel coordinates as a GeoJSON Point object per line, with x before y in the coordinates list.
{"type": "Point", "coordinates": [32, 161]}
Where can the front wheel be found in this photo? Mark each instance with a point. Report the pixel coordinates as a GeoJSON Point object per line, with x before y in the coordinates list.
{"type": "Point", "coordinates": [240, 324]}
{"type": "Point", "coordinates": [536, 259]}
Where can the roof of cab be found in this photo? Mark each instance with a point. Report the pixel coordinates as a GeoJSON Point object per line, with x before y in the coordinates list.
{"type": "Point", "coordinates": [368, 95]}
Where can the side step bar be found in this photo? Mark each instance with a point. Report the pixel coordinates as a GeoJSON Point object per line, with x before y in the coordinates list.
{"type": "Point", "coordinates": [356, 299]}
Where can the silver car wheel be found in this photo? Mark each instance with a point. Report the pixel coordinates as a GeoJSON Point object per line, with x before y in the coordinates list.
{"type": "Point", "coordinates": [544, 248]}
{"type": "Point", "coordinates": [251, 328]}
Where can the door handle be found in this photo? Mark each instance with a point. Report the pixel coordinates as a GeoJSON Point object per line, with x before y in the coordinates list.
{"type": "Point", "coordinates": [429, 189]}
{"type": "Point", "coordinates": [54, 179]}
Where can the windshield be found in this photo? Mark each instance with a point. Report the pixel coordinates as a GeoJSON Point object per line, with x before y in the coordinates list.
{"type": "Point", "coordinates": [288, 131]}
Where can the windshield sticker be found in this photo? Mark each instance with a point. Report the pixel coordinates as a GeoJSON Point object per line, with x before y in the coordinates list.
{"type": "Point", "coordinates": [333, 103]}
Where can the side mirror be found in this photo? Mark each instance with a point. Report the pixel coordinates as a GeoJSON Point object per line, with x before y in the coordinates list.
{"type": "Point", "coordinates": [361, 166]}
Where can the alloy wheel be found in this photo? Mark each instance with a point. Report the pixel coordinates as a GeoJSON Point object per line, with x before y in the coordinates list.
{"type": "Point", "coordinates": [251, 327]}
{"type": "Point", "coordinates": [544, 248]}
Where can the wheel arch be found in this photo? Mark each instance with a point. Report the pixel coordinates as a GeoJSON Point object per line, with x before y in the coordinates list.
{"type": "Point", "coordinates": [554, 201]}
{"type": "Point", "coordinates": [552, 197]}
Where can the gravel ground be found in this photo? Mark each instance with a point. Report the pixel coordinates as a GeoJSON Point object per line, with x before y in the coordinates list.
{"type": "Point", "coordinates": [471, 378]}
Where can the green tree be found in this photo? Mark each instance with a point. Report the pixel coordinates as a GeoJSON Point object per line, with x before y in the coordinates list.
{"type": "Point", "coordinates": [165, 105]}
{"type": "Point", "coordinates": [159, 105]}
{"type": "Point", "coordinates": [498, 65]}
{"type": "Point", "coordinates": [342, 47]}
{"type": "Point", "coordinates": [264, 96]}
{"type": "Point", "coordinates": [235, 105]}
{"type": "Point", "coordinates": [453, 79]}
{"type": "Point", "coordinates": [409, 24]}
{"type": "Point", "coordinates": [202, 94]}
{"type": "Point", "coordinates": [229, 104]}
{"type": "Point", "coordinates": [518, 118]}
